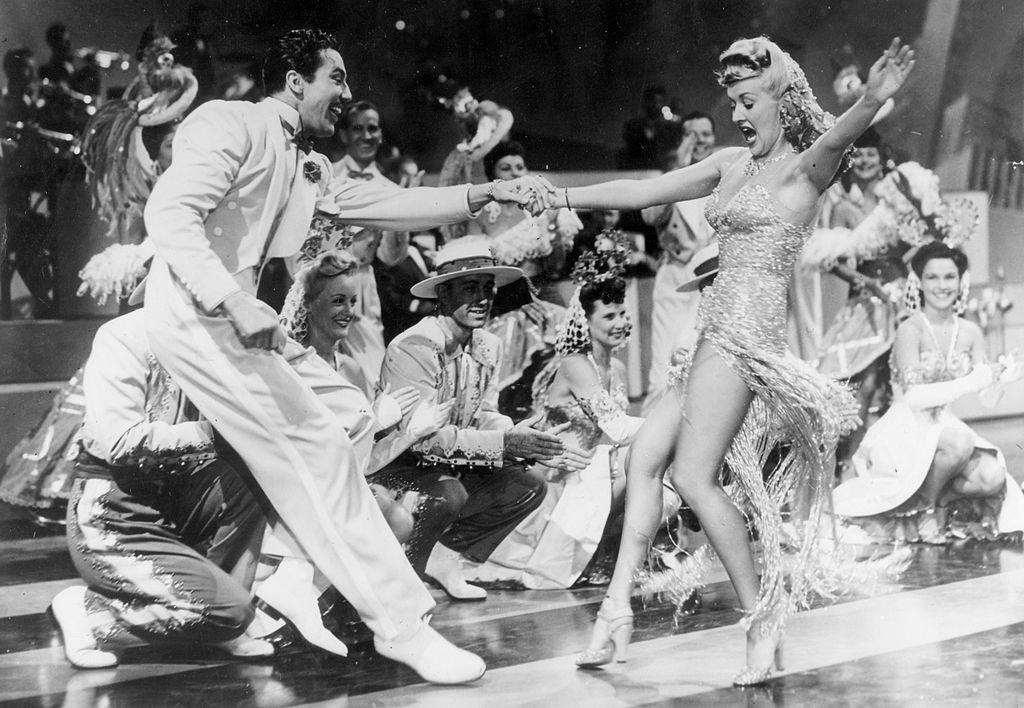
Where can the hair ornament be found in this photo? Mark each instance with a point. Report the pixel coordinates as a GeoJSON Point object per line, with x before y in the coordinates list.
{"type": "Point", "coordinates": [608, 259]}
{"type": "Point", "coordinates": [606, 262]}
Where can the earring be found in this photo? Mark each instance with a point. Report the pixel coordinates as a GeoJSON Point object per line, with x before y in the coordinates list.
{"type": "Point", "coordinates": [960, 304]}
{"type": "Point", "coordinates": [912, 293]}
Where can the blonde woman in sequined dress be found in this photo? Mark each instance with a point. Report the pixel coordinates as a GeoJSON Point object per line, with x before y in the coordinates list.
{"type": "Point", "coordinates": [743, 393]}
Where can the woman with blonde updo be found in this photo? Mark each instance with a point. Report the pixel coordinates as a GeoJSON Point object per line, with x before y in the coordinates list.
{"type": "Point", "coordinates": [745, 395]}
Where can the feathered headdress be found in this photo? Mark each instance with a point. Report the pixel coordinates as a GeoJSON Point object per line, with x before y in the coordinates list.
{"type": "Point", "coordinates": [119, 171]}
{"type": "Point", "coordinates": [910, 209]}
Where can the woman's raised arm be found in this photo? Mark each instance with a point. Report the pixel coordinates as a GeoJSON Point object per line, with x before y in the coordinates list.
{"type": "Point", "coordinates": [886, 76]}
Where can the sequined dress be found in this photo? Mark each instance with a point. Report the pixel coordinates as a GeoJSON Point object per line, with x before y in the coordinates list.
{"type": "Point", "coordinates": [797, 414]}
{"type": "Point", "coordinates": [552, 547]}
{"type": "Point", "coordinates": [890, 471]}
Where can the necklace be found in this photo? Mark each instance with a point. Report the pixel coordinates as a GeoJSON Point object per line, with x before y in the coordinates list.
{"type": "Point", "coordinates": [935, 338]}
{"type": "Point", "coordinates": [597, 370]}
{"type": "Point", "coordinates": [755, 165]}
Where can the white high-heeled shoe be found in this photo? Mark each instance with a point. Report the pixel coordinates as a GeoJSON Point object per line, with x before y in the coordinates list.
{"type": "Point", "coordinates": [68, 610]}
{"type": "Point", "coordinates": [432, 656]}
{"type": "Point", "coordinates": [290, 594]}
{"type": "Point", "coordinates": [612, 632]}
{"type": "Point", "coordinates": [755, 675]}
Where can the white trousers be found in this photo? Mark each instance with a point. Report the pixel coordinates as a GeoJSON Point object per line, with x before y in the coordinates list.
{"type": "Point", "coordinates": [289, 417]}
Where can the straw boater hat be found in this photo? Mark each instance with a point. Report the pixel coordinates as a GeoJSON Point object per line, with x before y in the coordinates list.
{"type": "Point", "coordinates": [702, 267]}
{"type": "Point", "coordinates": [468, 255]}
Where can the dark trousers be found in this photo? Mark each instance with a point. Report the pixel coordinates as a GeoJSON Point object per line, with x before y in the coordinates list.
{"type": "Point", "coordinates": [168, 556]}
{"type": "Point", "coordinates": [469, 509]}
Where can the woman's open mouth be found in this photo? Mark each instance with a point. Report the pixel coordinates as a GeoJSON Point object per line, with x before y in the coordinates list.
{"type": "Point", "coordinates": [749, 134]}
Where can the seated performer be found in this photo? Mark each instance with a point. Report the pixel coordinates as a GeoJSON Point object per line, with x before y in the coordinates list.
{"type": "Point", "coordinates": [923, 474]}
{"type": "Point", "coordinates": [472, 471]}
{"type": "Point", "coordinates": [584, 387]}
{"type": "Point", "coordinates": [318, 313]}
{"type": "Point", "coordinates": [163, 530]}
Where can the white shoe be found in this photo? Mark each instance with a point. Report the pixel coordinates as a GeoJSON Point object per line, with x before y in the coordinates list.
{"type": "Point", "coordinates": [444, 565]}
{"type": "Point", "coordinates": [291, 595]}
{"type": "Point", "coordinates": [246, 647]}
{"type": "Point", "coordinates": [80, 647]}
{"type": "Point", "coordinates": [433, 657]}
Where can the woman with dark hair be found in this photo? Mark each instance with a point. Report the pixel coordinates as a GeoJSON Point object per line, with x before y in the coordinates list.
{"type": "Point", "coordinates": [583, 386]}
{"type": "Point", "coordinates": [923, 474]}
{"type": "Point", "coordinates": [745, 395]}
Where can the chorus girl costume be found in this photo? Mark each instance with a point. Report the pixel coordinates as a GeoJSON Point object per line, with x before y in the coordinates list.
{"type": "Point", "coordinates": [552, 547]}
{"type": "Point", "coordinates": [897, 452]}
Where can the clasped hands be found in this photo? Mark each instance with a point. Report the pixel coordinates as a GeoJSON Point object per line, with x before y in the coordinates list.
{"type": "Point", "coordinates": [533, 193]}
{"type": "Point", "coordinates": [525, 441]}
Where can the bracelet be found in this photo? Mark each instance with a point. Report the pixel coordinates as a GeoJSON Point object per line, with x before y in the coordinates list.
{"type": "Point", "coordinates": [565, 192]}
{"type": "Point", "coordinates": [490, 190]}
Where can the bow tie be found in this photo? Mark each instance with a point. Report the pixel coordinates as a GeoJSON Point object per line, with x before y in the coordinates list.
{"type": "Point", "coordinates": [352, 174]}
{"type": "Point", "coordinates": [302, 142]}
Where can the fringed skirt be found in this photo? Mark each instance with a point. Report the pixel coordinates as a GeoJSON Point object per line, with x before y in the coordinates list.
{"type": "Point", "coordinates": [780, 463]}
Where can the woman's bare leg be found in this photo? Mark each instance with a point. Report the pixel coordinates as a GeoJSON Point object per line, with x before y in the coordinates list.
{"type": "Point", "coordinates": [649, 455]}
{"type": "Point", "coordinates": [715, 404]}
{"type": "Point", "coordinates": [953, 452]}
{"type": "Point", "coordinates": [982, 476]}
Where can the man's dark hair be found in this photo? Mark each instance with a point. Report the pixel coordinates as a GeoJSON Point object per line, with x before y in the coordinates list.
{"type": "Point", "coordinates": [298, 50]}
{"type": "Point", "coordinates": [697, 115]}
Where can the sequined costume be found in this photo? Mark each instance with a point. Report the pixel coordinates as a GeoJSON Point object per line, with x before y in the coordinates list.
{"type": "Point", "coordinates": [161, 527]}
{"type": "Point", "coordinates": [38, 471]}
{"type": "Point", "coordinates": [795, 410]}
{"type": "Point", "coordinates": [552, 547]}
{"type": "Point", "coordinates": [890, 471]}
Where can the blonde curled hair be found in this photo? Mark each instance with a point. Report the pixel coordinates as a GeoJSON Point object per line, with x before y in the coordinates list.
{"type": "Point", "coordinates": [309, 283]}
{"type": "Point", "coordinates": [803, 119]}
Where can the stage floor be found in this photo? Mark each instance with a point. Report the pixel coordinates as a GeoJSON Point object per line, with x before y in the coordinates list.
{"type": "Point", "coordinates": [950, 632]}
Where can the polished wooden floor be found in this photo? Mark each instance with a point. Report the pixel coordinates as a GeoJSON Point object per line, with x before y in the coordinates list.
{"type": "Point", "coordinates": [951, 632]}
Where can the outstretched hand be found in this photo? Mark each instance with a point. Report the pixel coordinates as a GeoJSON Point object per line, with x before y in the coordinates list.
{"type": "Point", "coordinates": [529, 192]}
{"type": "Point", "coordinates": [523, 440]}
{"type": "Point", "coordinates": [888, 74]}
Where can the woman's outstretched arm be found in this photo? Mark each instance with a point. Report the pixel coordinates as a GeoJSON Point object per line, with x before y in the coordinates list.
{"type": "Point", "coordinates": [887, 75]}
{"type": "Point", "coordinates": [696, 180]}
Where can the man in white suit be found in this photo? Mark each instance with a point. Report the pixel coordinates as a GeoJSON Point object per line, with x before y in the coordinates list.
{"type": "Point", "coordinates": [241, 190]}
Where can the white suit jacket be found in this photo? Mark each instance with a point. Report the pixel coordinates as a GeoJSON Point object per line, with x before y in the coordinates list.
{"type": "Point", "coordinates": [239, 192]}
